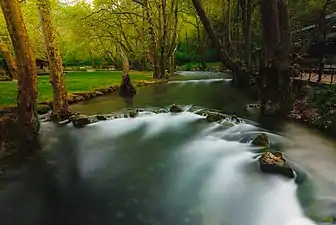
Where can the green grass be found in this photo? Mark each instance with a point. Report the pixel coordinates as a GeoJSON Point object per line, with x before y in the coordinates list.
{"type": "Point", "coordinates": [75, 81]}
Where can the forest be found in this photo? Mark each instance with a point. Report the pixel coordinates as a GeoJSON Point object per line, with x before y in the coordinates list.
{"type": "Point", "coordinates": [166, 112]}
{"type": "Point", "coordinates": [259, 42]}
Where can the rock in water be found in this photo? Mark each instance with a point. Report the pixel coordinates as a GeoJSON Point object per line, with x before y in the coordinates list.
{"type": "Point", "coordinates": [101, 117]}
{"type": "Point", "coordinates": [214, 117]}
{"type": "Point", "coordinates": [80, 121]}
{"type": "Point", "coordinates": [261, 140]}
{"type": "Point", "coordinates": [274, 162]}
{"type": "Point", "coordinates": [133, 114]}
{"type": "Point", "coordinates": [175, 109]}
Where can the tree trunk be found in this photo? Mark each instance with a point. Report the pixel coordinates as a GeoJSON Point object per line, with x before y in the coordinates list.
{"type": "Point", "coordinates": [126, 65]}
{"type": "Point", "coordinates": [60, 104]}
{"type": "Point", "coordinates": [229, 22]}
{"type": "Point", "coordinates": [171, 65]}
{"type": "Point", "coordinates": [10, 61]}
{"type": "Point", "coordinates": [163, 40]}
{"type": "Point", "coordinates": [225, 58]}
{"type": "Point", "coordinates": [275, 79]}
{"type": "Point", "coordinates": [174, 39]}
{"type": "Point", "coordinates": [154, 53]}
{"type": "Point", "coordinates": [27, 72]}
{"type": "Point", "coordinates": [91, 58]}
{"type": "Point", "coordinates": [126, 87]}
{"type": "Point", "coordinates": [248, 31]}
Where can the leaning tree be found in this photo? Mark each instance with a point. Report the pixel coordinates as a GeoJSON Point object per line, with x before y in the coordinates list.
{"type": "Point", "coordinates": [27, 73]}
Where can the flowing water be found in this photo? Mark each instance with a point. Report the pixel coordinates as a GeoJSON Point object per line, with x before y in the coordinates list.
{"type": "Point", "coordinates": [170, 168]}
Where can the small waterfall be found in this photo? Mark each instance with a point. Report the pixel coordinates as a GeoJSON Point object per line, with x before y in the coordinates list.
{"type": "Point", "coordinates": [208, 167]}
{"type": "Point", "coordinates": [165, 169]}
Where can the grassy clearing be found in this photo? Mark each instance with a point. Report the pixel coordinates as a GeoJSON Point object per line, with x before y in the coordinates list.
{"type": "Point", "coordinates": [75, 81]}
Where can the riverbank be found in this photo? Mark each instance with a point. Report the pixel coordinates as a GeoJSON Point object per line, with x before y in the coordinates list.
{"type": "Point", "coordinates": [315, 106]}
{"type": "Point", "coordinates": [8, 114]}
{"type": "Point", "coordinates": [75, 82]}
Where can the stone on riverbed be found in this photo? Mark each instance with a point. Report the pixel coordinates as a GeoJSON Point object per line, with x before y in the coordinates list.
{"type": "Point", "coordinates": [80, 121]}
{"type": "Point", "coordinates": [261, 140]}
{"type": "Point", "coordinates": [274, 162]}
{"type": "Point", "coordinates": [175, 109]}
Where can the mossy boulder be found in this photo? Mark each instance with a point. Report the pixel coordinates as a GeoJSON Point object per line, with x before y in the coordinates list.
{"type": "Point", "coordinates": [275, 163]}
{"type": "Point", "coordinates": [261, 140]}
{"type": "Point", "coordinates": [43, 108]}
{"type": "Point", "coordinates": [214, 117]}
{"type": "Point", "coordinates": [80, 121]}
{"type": "Point", "coordinates": [175, 109]}
{"type": "Point", "coordinates": [133, 114]}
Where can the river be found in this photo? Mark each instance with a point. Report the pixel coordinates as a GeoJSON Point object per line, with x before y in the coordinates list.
{"type": "Point", "coordinates": [171, 168]}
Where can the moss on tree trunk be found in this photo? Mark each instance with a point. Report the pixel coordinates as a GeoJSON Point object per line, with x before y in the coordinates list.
{"type": "Point", "coordinates": [60, 104]}
{"type": "Point", "coordinates": [27, 73]}
{"type": "Point", "coordinates": [10, 61]}
{"type": "Point", "coordinates": [275, 85]}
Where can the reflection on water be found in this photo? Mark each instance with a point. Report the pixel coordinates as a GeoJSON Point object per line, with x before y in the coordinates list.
{"type": "Point", "coordinates": [168, 169]}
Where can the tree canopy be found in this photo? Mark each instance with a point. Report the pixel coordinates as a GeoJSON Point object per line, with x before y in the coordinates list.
{"type": "Point", "coordinates": [96, 32]}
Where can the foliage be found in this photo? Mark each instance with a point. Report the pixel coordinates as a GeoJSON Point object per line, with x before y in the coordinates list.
{"type": "Point", "coordinates": [93, 34]}
{"type": "Point", "coordinates": [75, 81]}
{"type": "Point", "coordinates": [318, 110]}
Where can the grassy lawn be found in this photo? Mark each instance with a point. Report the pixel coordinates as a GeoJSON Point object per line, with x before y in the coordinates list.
{"type": "Point", "coordinates": [75, 81]}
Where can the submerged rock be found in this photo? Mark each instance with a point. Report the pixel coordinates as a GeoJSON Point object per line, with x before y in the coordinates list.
{"type": "Point", "coordinates": [261, 140]}
{"type": "Point", "coordinates": [80, 121]}
{"type": "Point", "coordinates": [175, 109]}
{"type": "Point", "coordinates": [43, 108]}
{"type": "Point", "coordinates": [101, 117]}
{"type": "Point", "coordinates": [274, 162]}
